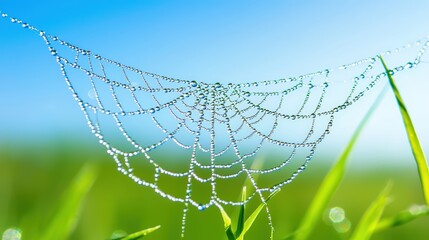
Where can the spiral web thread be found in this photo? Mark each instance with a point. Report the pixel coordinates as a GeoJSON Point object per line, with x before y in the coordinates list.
{"type": "Point", "coordinates": [215, 130]}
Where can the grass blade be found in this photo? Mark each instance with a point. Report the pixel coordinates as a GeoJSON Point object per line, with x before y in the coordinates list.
{"type": "Point", "coordinates": [412, 137]}
{"type": "Point", "coordinates": [403, 217]}
{"type": "Point", "coordinates": [251, 219]}
{"type": "Point", "coordinates": [227, 223]}
{"type": "Point", "coordinates": [139, 234]}
{"type": "Point", "coordinates": [331, 181]}
{"type": "Point", "coordinates": [368, 223]}
{"type": "Point", "coordinates": [65, 219]}
{"type": "Point", "coordinates": [240, 223]}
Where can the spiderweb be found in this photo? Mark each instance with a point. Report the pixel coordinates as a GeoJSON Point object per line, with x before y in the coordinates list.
{"type": "Point", "coordinates": [214, 132]}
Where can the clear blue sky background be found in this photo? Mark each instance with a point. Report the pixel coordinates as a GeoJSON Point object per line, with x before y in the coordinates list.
{"type": "Point", "coordinates": [225, 41]}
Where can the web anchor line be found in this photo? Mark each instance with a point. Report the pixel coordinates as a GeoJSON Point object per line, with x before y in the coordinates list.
{"type": "Point", "coordinates": [219, 131]}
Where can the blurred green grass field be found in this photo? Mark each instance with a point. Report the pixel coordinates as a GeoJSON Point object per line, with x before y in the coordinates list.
{"type": "Point", "coordinates": [33, 178]}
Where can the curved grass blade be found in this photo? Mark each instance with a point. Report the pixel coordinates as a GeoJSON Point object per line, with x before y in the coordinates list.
{"type": "Point", "coordinates": [403, 217]}
{"type": "Point", "coordinates": [66, 218]}
{"type": "Point", "coordinates": [240, 223]}
{"type": "Point", "coordinates": [368, 223]}
{"type": "Point", "coordinates": [251, 219]}
{"type": "Point", "coordinates": [227, 223]}
{"type": "Point", "coordinates": [139, 234]}
{"type": "Point", "coordinates": [331, 181]}
{"type": "Point", "coordinates": [412, 137]}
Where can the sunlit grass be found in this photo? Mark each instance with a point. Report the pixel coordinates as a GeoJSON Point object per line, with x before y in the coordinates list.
{"type": "Point", "coordinates": [416, 147]}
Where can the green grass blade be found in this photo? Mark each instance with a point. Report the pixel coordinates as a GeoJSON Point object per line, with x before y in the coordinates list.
{"type": "Point", "coordinates": [251, 219]}
{"type": "Point", "coordinates": [412, 137]}
{"type": "Point", "coordinates": [368, 223]}
{"type": "Point", "coordinates": [331, 181]}
{"type": "Point", "coordinates": [227, 223]}
{"type": "Point", "coordinates": [64, 222]}
{"type": "Point", "coordinates": [403, 217]}
{"type": "Point", "coordinates": [240, 223]}
{"type": "Point", "coordinates": [139, 234]}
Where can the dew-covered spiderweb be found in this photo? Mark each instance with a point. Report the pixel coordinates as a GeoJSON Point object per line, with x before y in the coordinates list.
{"type": "Point", "coordinates": [207, 138]}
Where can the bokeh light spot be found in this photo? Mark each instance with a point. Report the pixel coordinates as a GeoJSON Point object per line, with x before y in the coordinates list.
{"type": "Point", "coordinates": [12, 234]}
{"type": "Point", "coordinates": [337, 214]}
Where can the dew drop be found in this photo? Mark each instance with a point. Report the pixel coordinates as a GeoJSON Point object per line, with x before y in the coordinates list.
{"type": "Point", "coordinates": [152, 110]}
{"type": "Point", "coordinates": [409, 65]}
{"type": "Point", "coordinates": [247, 94]}
{"type": "Point", "coordinates": [53, 52]}
{"type": "Point", "coordinates": [201, 207]}
{"type": "Point", "coordinates": [194, 83]}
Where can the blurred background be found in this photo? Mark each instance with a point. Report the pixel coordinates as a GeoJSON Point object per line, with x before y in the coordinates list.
{"type": "Point", "coordinates": [44, 139]}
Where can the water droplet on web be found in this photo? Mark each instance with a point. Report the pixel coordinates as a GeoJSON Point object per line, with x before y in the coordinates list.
{"type": "Point", "coordinates": [194, 83]}
{"type": "Point", "coordinates": [247, 94]}
{"type": "Point", "coordinates": [53, 51]}
{"type": "Point", "coordinates": [152, 110]}
{"type": "Point", "coordinates": [409, 65]}
{"type": "Point", "coordinates": [201, 207]}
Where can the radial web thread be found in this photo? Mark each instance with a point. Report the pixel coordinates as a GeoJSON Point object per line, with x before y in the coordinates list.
{"type": "Point", "coordinates": [214, 130]}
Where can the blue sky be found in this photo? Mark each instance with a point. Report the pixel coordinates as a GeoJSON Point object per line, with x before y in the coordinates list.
{"type": "Point", "coordinates": [213, 41]}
